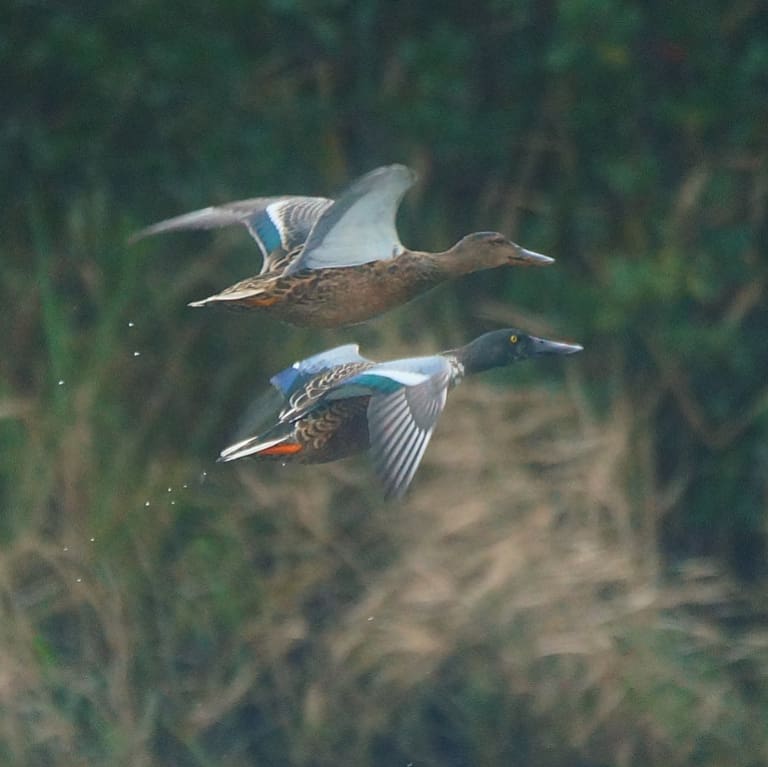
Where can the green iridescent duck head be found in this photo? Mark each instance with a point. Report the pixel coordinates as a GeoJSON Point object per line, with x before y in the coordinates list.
{"type": "Point", "coordinates": [502, 347]}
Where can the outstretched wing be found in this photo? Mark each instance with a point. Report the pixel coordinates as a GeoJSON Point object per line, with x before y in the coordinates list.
{"type": "Point", "coordinates": [285, 225]}
{"type": "Point", "coordinates": [279, 225]}
{"type": "Point", "coordinates": [407, 398]}
{"type": "Point", "coordinates": [359, 227]}
{"type": "Point", "coordinates": [400, 427]}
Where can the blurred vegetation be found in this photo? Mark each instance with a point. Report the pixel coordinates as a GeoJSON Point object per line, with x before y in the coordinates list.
{"type": "Point", "coordinates": [579, 575]}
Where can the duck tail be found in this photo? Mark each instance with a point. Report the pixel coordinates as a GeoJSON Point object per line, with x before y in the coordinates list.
{"type": "Point", "coordinates": [281, 447]}
{"type": "Point", "coordinates": [248, 293]}
{"type": "Point", "coordinates": [248, 297]}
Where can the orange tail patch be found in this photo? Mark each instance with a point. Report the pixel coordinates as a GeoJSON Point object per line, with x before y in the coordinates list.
{"type": "Point", "coordinates": [284, 448]}
{"type": "Point", "coordinates": [268, 301]}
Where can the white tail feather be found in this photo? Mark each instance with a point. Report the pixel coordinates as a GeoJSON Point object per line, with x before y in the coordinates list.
{"type": "Point", "coordinates": [223, 298]}
{"type": "Point", "coordinates": [246, 447]}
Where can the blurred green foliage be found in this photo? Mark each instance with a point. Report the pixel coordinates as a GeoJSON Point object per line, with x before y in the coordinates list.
{"type": "Point", "coordinates": [626, 139]}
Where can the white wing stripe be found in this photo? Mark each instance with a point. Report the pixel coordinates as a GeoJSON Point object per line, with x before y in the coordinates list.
{"type": "Point", "coordinates": [390, 407]}
{"type": "Point", "coordinates": [391, 424]}
{"type": "Point", "coordinates": [394, 457]}
{"type": "Point", "coordinates": [404, 464]}
{"type": "Point", "coordinates": [402, 443]}
{"type": "Point", "coordinates": [413, 462]}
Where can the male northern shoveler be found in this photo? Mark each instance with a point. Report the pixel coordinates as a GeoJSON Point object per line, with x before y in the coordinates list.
{"type": "Point", "coordinates": [338, 403]}
{"type": "Point", "coordinates": [330, 263]}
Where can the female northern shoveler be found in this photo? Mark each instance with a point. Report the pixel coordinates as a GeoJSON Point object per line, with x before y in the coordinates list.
{"type": "Point", "coordinates": [338, 403]}
{"type": "Point", "coordinates": [330, 263]}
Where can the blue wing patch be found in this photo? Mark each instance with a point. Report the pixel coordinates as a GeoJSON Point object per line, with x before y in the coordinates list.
{"type": "Point", "coordinates": [291, 379]}
{"type": "Point", "coordinates": [267, 232]}
{"type": "Point", "coordinates": [286, 380]}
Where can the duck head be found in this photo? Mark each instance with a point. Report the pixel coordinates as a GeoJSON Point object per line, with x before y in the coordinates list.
{"type": "Point", "coordinates": [503, 347]}
{"type": "Point", "coordinates": [491, 249]}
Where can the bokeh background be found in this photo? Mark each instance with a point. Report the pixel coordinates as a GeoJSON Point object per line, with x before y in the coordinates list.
{"type": "Point", "coordinates": [578, 576]}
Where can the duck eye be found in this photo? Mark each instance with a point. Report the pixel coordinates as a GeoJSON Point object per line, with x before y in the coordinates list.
{"type": "Point", "coordinates": [513, 339]}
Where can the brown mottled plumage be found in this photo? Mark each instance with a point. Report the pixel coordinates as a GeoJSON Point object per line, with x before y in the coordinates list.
{"type": "Point", "coordinates": [333, 431]}
{"type": "Point", "coordinates": [329, 263]}
{"type": "Point", "coordinates": [336, 296]}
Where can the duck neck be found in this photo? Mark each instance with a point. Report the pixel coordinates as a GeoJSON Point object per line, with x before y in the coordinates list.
{"type": "Point", "coordinates": [475, 358]}
{"type": "Point", "coordinates": [452, 262]}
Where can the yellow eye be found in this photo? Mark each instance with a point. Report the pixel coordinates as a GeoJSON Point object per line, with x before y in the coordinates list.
{"type": "Point", "coordinates": [513, 339]}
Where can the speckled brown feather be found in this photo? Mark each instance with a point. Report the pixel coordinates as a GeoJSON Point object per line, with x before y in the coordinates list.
{"type": "Point", "coordinates": [344, 295]}
{"type": "Point", "coordinates": [329, 263]}
{"type": "Point", "coordinates": [333, 431]}
{"type": "Point", "coordinates": [316, 387]}
{"type": "Point", "coordinates": [333, 297]}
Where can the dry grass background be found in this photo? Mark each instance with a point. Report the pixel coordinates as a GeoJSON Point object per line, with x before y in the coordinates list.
{"type": "Point", "coordinates": [512, 611]}
{"type": "Point", "coordinates": [517, 608]}
{"type": "Point", "coordinates": [540, 598]}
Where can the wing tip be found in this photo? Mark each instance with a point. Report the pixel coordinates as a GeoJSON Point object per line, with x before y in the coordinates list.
{"type": "Point", "coordinates": [398, 169]}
